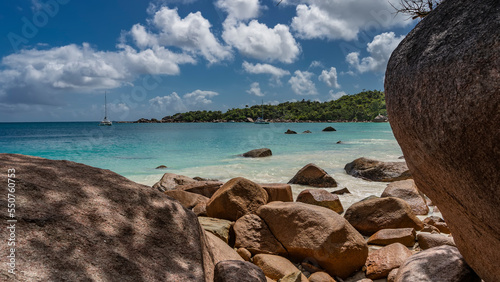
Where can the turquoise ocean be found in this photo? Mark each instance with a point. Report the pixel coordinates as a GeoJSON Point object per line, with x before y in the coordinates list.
{"type": "Point", "coordinates": [209, 150]}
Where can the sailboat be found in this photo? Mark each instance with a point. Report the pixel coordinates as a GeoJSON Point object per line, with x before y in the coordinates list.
{"type": "Point", "coordinates": [260, 120]}
{"type": "Point", "coordinates": [105, 121]}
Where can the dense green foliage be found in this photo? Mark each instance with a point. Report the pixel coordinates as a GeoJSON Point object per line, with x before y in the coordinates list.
{"type": "Point", "coordinates": [363, 106]}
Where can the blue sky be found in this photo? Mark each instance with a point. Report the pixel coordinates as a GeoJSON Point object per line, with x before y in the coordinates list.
{"type": "Point", "coordinates": [59, 57]}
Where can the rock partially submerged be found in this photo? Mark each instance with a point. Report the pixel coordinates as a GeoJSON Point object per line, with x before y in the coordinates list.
{"type": "Point", "coordinates": [290, 132]}
{"type": "Point", "coordinates": [329, 128]}
{"type": "Point", "coordinates": [258, 153]}
{"type": "Point", "coordinates": [442, 90]}
{"type": "Point", "coordinates": [378, 171]}
{"type": "Point", "coordinates": [80, 223]}
{"type": "Point", "coordinates": [312, 175]}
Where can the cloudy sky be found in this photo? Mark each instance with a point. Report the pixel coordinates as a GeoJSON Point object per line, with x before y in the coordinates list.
{"type": "Point", "coordinates": [59, 57]}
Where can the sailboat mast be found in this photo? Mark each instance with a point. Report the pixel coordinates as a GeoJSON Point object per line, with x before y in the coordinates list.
{"type": "Point", "coordinates": [105, 107]}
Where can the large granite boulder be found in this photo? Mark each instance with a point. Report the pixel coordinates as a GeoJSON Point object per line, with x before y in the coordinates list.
{"type": "Point", "coordinates": [253, 234]}
{"type": "Point", "coordinates": [205, 188]}
{"type": "Point", "coordinates": [312, 175]}
{"type": "Point", "coordinates": [408, 191]}
{"type": "Point", "coordinates": [322, 198]}
{"type": "Point", "coordinates": [405, 236]}
{"type": "Point", "coordinates": [275, 267]}
{"type": "Point", "coordinates": [235, 270]}
{"type": "Point", "coordinates": [378, 171]}
{"type": "Point", "coordinates": [258, 153]}
{"type": "Point", "coordinates": [219, 227]}
{"type": "Point", "coordinates": [442, 89]}
{"type": "Point", "coordinates": [80, 223]}
{"type": "Point", "coordinates": [187, 199]}
{"type": "Point", "coordinates": [278, 192]}
{"type": "Point", "coordinates": [443, 264]}
{"type": "Point", "coordinates": [170, 181]}
{"type": "Point", "coordinates": [437, 222]}
{"type": "Point", "coordinates": [372, 215]}
{"type": "Point", "coordinates": [236, 198]}
{"type": "Point", "coordinates": [427, 241]}
{"type": "Point", "coordinates": [321, 276]}
{"type": "Point", "coordinates": [308, 231]}
{"type": "Point", "coordinates": [220, 250]}
{"type": "Point", "coordinates": [380, 262]}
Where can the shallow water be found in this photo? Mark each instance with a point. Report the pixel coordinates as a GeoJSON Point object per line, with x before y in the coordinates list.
{"type": "Point", "coordinates": [210, 150]}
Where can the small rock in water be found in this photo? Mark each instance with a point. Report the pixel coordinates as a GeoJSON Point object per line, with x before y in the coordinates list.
{"type": "Point", "coordinates": [312, 175]}
{"type": "Point", "coordinates": [307, 131]}
{"type": "Point", "coordinates": [329, 128]}
{"type": "Point", "coordinates": [378, 171]}
{"type": "Point", "coordinates": [290, 132]}
{"type": "Point", "coordinates": [258, 153]}
{"type": "Point", "coordinates": [339, 142]}
{"type": "Point", "coordinates": [161, 167]}
{"type": "Point", "coordinates": [197, 178]}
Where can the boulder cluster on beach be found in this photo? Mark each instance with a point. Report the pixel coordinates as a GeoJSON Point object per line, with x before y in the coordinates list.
{"type": "Point", "coordinates": [85, 223]}
{"type": "Point", "coordinates": [312, 238]}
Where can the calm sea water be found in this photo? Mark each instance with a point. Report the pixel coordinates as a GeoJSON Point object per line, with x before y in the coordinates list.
{"type": "Point", "coordinates": [209, 150]}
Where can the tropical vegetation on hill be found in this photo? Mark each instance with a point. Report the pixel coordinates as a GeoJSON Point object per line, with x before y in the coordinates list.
{"type": "Point", "coordinates": [364, 106]}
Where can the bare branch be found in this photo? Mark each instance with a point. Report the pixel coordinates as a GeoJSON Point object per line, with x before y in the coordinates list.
{"type": "Point", "coordinates": [416, 8]}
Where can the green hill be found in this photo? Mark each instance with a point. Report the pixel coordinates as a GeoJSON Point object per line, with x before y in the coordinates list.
{"type": "Point", "coordinates": [364, 106]}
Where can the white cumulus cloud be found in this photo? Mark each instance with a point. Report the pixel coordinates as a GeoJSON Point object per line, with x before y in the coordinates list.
{"type": "Point", "coordinates": [257, 40]}
{"type": "Point", "coordinates": [173, 103]}
{"type": "Point", "coordinates": [37, 76]}
{"type": "Point", "coordinates": [199, 97]}
{"type": "Point", "coordinates": [168, 104]}
{"type": "Point", "coordinates": [340, 19]}
{"type": "Point", "coordinates": [380, 50]}
{"type": "Point", "coordinates": [275, 72]}
{"type": "Point", "coordinates": [240, 9]}
{"type": "Point", "coordinates": [329, 77]}
{"type": "Point", "coordinates": [192, 34]}
{"type": "Point", "coordinates": [302, 84]}
{"type": "Point", "coordinates": [334, 96]}
{"type": "Point", "coordinates": [255, 90]}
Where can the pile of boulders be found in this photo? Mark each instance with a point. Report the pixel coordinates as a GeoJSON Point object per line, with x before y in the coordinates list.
{"type": "Point", "coordinates": [313, 239]}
